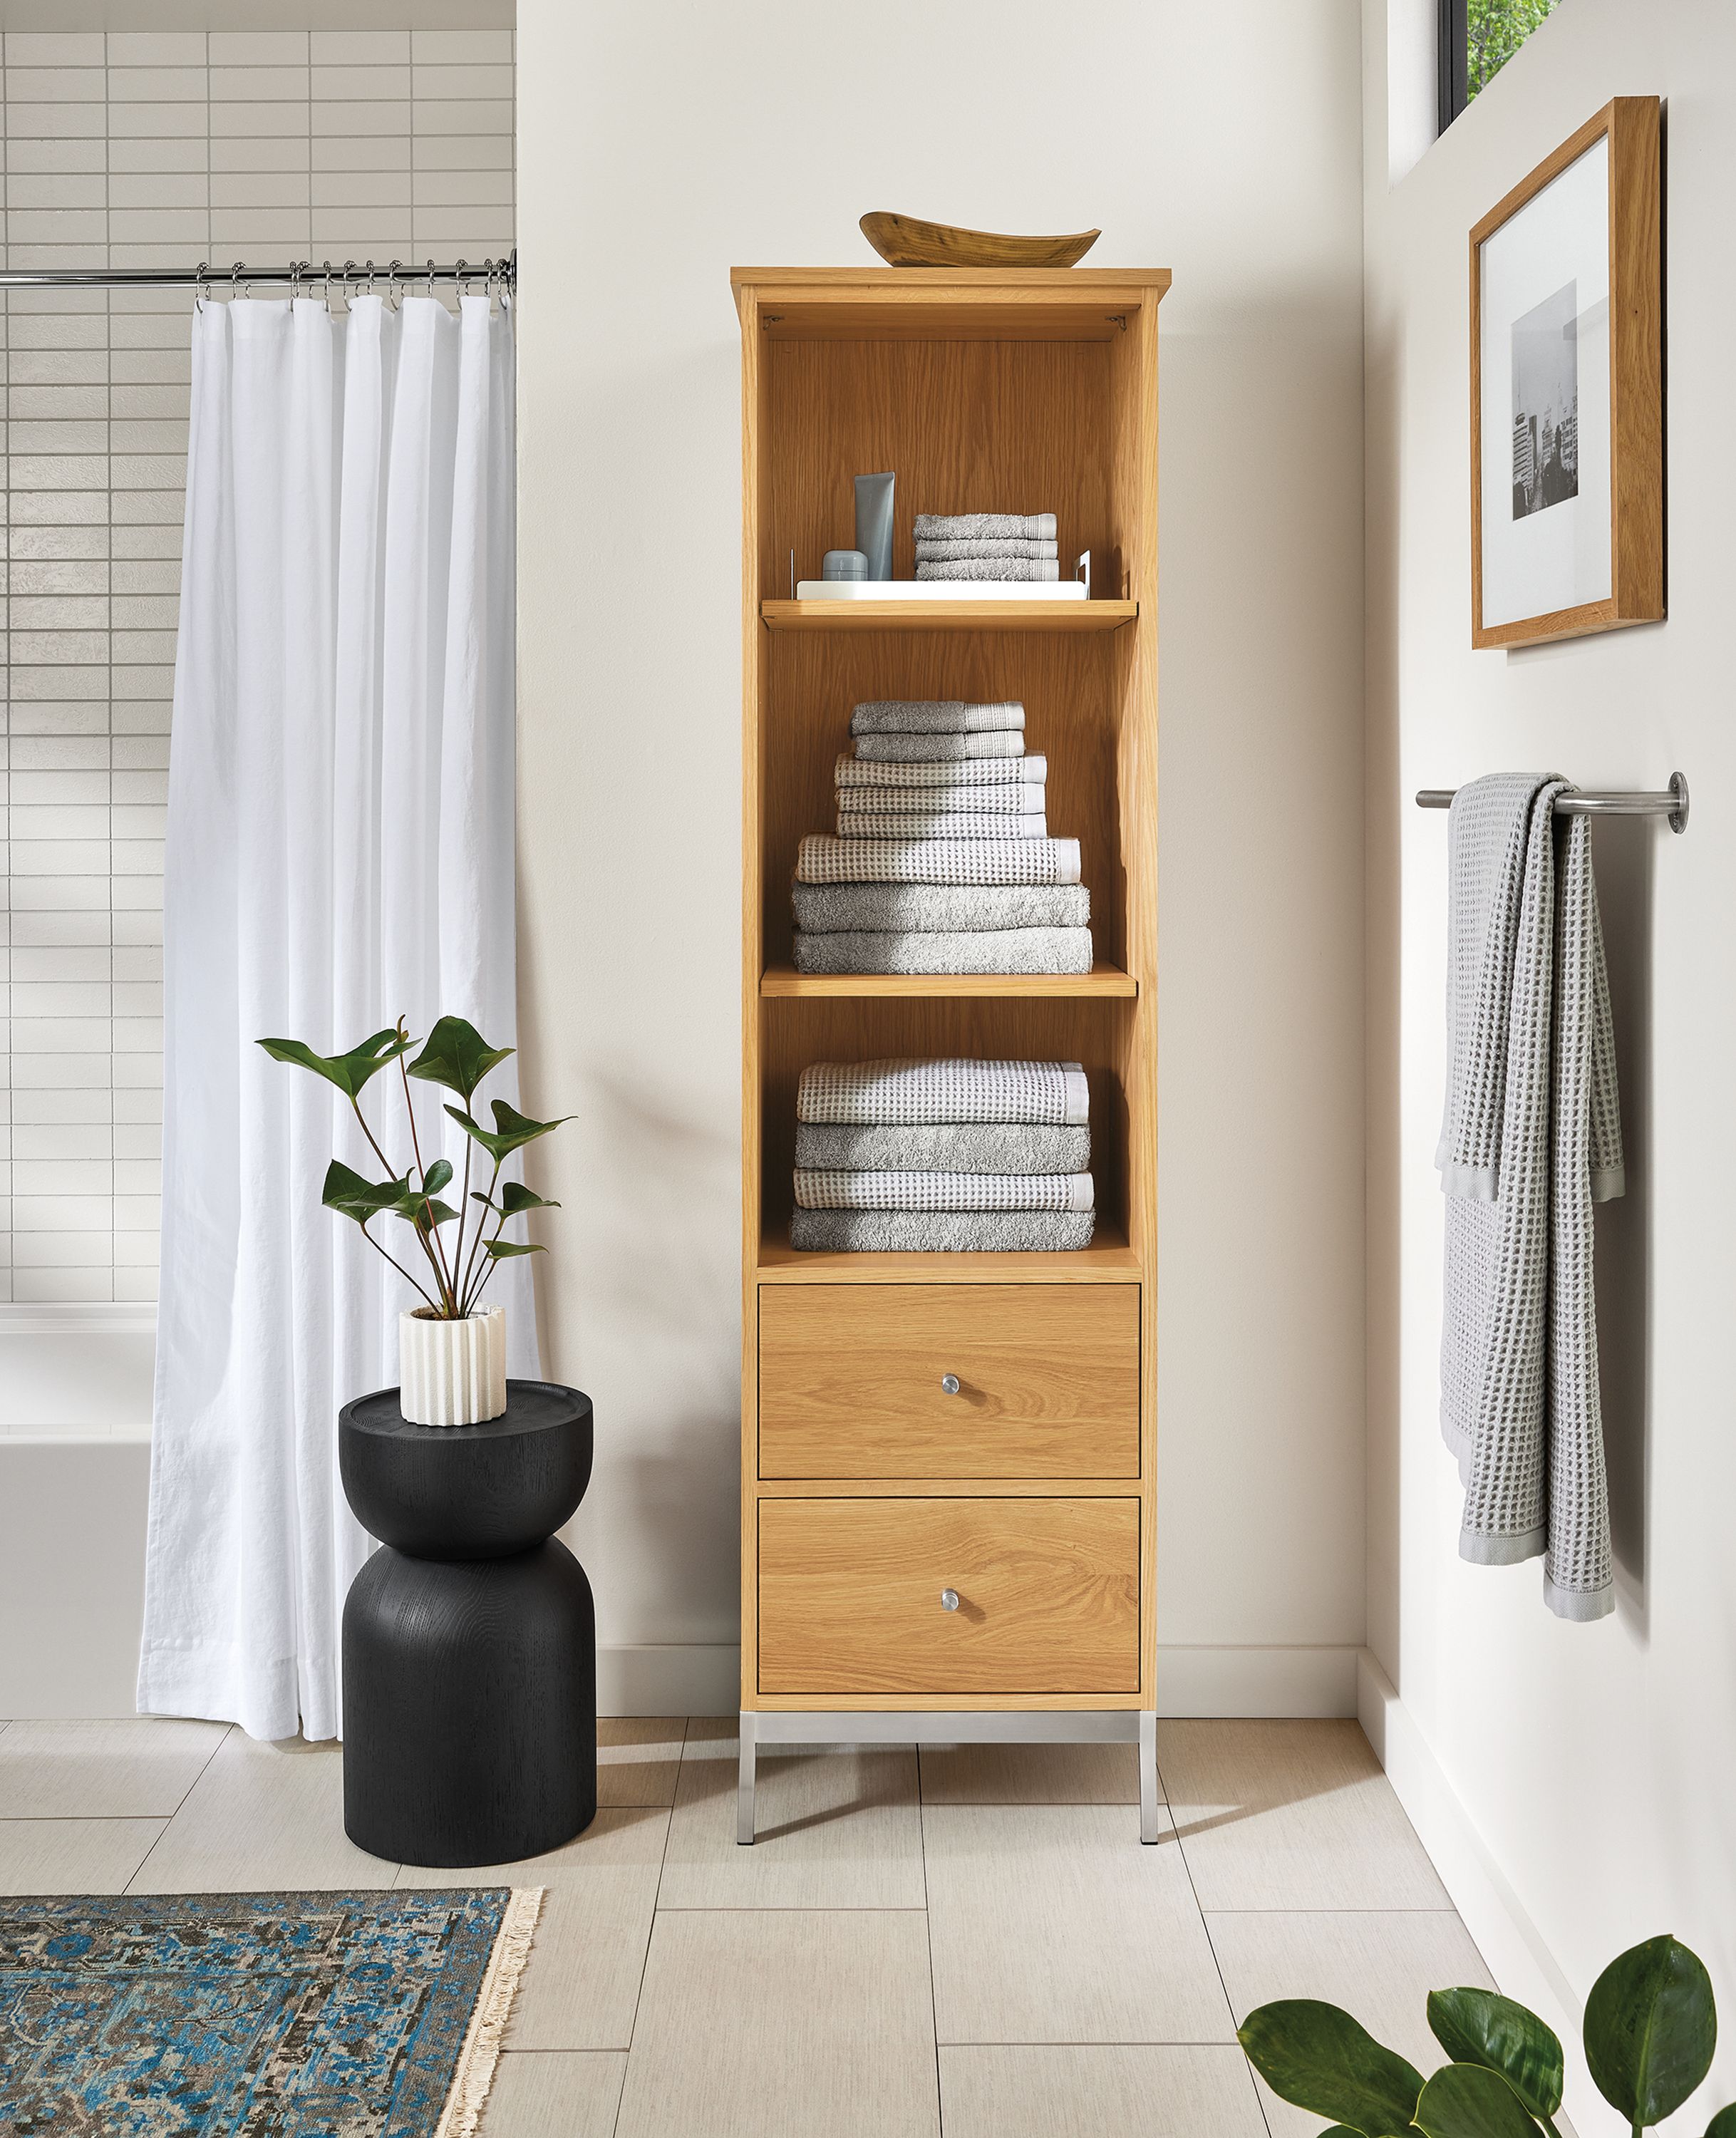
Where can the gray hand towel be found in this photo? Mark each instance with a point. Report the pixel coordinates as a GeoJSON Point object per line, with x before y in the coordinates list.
{"type": "Point", "coordinates": [937, 824]}
{"type": "Point", "coordinates": [937, 748]}
{"type": "Point", "coordinates": [905, 908]}
{"type": "Point", "coordinates": [858, 771]}
{"type": "Point", "coordinates": [905, 1092]}
{"type": "Point", "coordinates": [822, 857]}
{"type": "Point", "coordinates": [1530, 1140]}
{"type": "Point", "coordinates": [951, 1147]}
{"type": "Point", "coordinates": [986, 950]}
{"type": "Point", "coordinates": [935, 716]}
{"type": "Point", "coordinates": [937, 552]}
{"type": "Point", "coordinates": [941, 1233]}
{"type": "Point", "coordinates": [985, 526]}
{"type": "Point", "coordinates": [999, 567]}
{"type": "Point", "coordinates": [853, 1190]}
{"type": "Point", "coordinates": [1006, 799]}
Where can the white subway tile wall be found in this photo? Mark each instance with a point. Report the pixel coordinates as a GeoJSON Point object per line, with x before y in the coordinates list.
{"type": "Point", "coordinates": [157, 149]}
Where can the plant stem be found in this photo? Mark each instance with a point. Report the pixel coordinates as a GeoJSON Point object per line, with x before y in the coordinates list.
{"type": "Point", "coordinates": [464, 1212]}
{"type": "Point", "coordinates": [470, 1296]}
{"type": "Point", "coordinates": [430, 1240]}
{"type": "Point", "coordinates": [397, 1265]}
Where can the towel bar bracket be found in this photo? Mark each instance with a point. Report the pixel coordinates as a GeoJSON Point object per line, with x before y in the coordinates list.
{"type": "Point", "coordinates": [1670, 802]}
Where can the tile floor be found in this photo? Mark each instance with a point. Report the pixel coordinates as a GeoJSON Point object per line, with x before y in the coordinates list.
{"type": "Point", "coordinates": [971, 1942]}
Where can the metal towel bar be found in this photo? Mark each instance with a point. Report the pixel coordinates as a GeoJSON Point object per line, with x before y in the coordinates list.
{"type": "Point", "coordinates": [1672, 802]}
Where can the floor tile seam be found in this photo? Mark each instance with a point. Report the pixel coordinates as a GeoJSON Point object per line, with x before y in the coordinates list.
{"type": "Point", "coordinates": [226, 1733]}
{"type": "Point", "coordinates": [155, 1842]}
{"type": "Point", "coordinates": [78, 1817]}
{"type": "Point", "coordinates": [928, 1926]}
{"type": "Point", "coordinates": [1334, 1908]}
{"type": "Point", "coordinates": [1210, 1944]}
{"type": "Point", "coordinates": [651, 1928]}
{"type": "Point", "coordinates": [1149, 2043]}
{"type": "Point", "coordinates": [790, 1907]}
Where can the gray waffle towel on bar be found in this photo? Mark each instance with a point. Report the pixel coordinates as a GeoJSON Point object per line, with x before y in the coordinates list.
{"type": "Point", "coordinates": [1531, 1138]}
{"type": "Point", "coordinates": [902, 1091]}
{"type": "Point", "coordinates": [937, 824]}
{"type": "Point", "coordinates": [848, 1190]}
{"type": "Point", "coordinates": [941, 1233]}
{"type": "Point", "coordinates": [990, 526]}
{"type": "Point", "coordinates": [822, 857]}
{"type": "Point", "coordinates": [999, 567]}
{"type": "Point", "coordinates": [984, 546]}
{"type": "Point", "coordinates": [937, 748]}
{"type": "Point", "coordinates": [983, 950]}
{"type": "Point", "coordinates": [831, 909]}
{"type": "Point", "coordinates": [949, 1147]}
{"type": "Point", "coordinates": [858, 771]}
{"type": "Point", "coordinates": [935, 716]}
{"type": "Point", "coordinates": [1008, 798]}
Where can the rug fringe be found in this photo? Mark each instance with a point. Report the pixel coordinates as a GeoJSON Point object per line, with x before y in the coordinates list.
{"type": "Point", "coordinates": [474, 2075]}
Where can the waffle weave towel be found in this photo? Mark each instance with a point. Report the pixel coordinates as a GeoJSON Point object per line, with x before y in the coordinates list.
{"type": "Point", "coordinates": [1531, 1138]}
{"type": "Point", "coordinates": [935, 716]}
{"type": "Point", "coordinates": [979, 950]}
{"type": "Point", "coordinates": [905, 1093]}
{"type": "Point", "coordinates": [985, 526]}
{"type": "Point", "coordinates": [938, 749]}
{"type": "Point", "coordinates": [941, 1233]}
{"type": "Point", "coordinates": [828, 909]}
{"type": "Point", "coordinates": [951, 1147]}
{"type": "Point", "coordinates": [937, 824]}
{"type": "Point", "coordinates": [823, 858]}
{"type": "Point", "coordinates": [1006, 798]}
{"type": "Point", "coordinates": [1017, 770]}
{"type": "Point", "coordinates": [995, 567]}
{"type": "Point", "coordinates": [850, 1190]}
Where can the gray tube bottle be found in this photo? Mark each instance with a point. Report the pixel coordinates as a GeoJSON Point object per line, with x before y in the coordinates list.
{"type": "Point", "coordinates": [874, 523]}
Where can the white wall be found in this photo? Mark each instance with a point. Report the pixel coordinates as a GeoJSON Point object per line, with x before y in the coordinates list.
{"type": "Point", "coordinates": [1591, 1764]}
{"type": "Point", "coordinates": [658, 146]}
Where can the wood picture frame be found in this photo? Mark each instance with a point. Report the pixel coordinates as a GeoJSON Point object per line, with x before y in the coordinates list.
{"type": "Point", "coordinates": [1530, 586]}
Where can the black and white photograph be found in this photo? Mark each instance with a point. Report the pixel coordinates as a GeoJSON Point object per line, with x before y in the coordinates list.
{"type": "Point", "coordinates": [1546, 403]}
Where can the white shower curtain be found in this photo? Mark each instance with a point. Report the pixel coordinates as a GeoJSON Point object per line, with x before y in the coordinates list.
{"type": "Point", "coordinates": [339, 852]}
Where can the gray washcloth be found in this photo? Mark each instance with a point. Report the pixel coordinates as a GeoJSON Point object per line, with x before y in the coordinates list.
{"type": "Point", "coordinates": [985, 526]}
{"type": "Point", "coordinates": [1001, 568]}
{"type": "Point", "coordinates": [903, 909]}
{"type": "Point", "coordinates": [954, 1147]}
{"type": "Point", "coordinates": [1006, 799]}
{"type": "Point", "coordinates": [934, 748]}
{"type": "Point", "coordinates": [954, 553]}
{"type": "Point", "coordinates": [849, 1189]}
{"type": "Point", "coordinates": [937, 824]}
{"type": "Point", "coordinates": [941, 1233]}
{"type": "Point", "coordinates": [987, 950]}
{"type": "Point", "coordinates": [1531, 1138]}
{"type": "Point", "coordinates": [975, 771]}
{"type": "Point", "coordinates": [822, 857]}
{"type": "Point", "coordinates": [935, 716]}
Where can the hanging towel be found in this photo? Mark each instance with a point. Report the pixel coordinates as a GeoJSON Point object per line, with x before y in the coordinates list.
{"type": "Point", "coordinates": [852, 1190]}
{"type": "Point", "coordinates": [937, 551]}
{"type": "Point", "coordinates": [949, 1147]}
{"type": "Point", "coordinates": [937, 824]}
{"type": "Point", "coordinates": [985, 950]}
{"type": "Point", "coordinates": [897, 1092]}
{"type": "Point", "coordinates": [830, 908]}
{"type": "Point", "coordinates": [1006, 799]}
{"type": "Point", "coordinates": [1531, 1138]}
{"type": "Point", "coordinates": [998, 568]}
{"type": "Point", "coordinates": [985, 526]}
{"type": "Point", "coordinates": [823, 858]}
{"type": "Point", "coordinates": [937, 748]}
{"type": "Point", "coordinates": [1017, 770]}
{"type": "Point", "coordinates": [941, 1233]}
{"type": "Point", "coordinates": [935, 716]}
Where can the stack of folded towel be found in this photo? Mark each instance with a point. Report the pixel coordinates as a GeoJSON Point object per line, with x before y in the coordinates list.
{"type": "Point", "coordinates": [942, 861]}
{"type": "Point", "coordinates": [987, 545]}
{"type": "Point", "coordinates": [943, 1157]}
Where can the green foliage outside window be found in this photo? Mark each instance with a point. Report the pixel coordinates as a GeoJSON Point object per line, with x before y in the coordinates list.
{"type": "Point", "coordinates": [1495, 30]}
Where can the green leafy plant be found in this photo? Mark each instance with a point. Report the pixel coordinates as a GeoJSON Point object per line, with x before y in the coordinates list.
{"type": "Point", "coordinates": [1494, 32]}
{"type": "Point", "coordinates": [456, 1057]}
{"type": "Point", "coordinates": [1651, 2028]}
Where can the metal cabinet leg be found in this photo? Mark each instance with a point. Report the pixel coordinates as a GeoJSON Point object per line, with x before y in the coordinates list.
{"type": "Point", "coordinates": [744, 1783]}
{"type": "Point", "coordinates": [1148, 1776]}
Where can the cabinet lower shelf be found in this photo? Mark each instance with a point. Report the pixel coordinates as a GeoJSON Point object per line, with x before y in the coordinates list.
{"type": "Point", "coordinates": [1108, 1259]}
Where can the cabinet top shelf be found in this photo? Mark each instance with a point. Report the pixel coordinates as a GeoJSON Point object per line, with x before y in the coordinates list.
{"type": "Point", "coordinates": [947, 615]}
{"type": "Point", "coordinates": [945, 304]}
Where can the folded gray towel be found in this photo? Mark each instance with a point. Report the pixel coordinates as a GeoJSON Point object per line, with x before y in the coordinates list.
{"type": "Point", "coordinates": [822, 858]}
{"type": "Point", "coordinates": [954, 1147]}
{"type": "Point", "coordinates": [985, 526]}
{"type": "Point", "coordinates": [954, 553]}
{"type": "Point", "coordinates": [905, 908]}
{"type": "Point", "coordinates": [941, 1233]}
{"type": "Point", "coordinates": [858, 771]}
{"type": "Point", "coordinates": [984, 950]}
{"type": "Point", "coordinates": [1004, 800]}
{"type": "Point", "coordinates": [999, 567]}
{"type": "Point", "coordinates": [935, 716]}
{"type": "Point", "coordinates": [937, 824]}
{"type": "Point", "coordinates": [907, 1091]}
{"type": "Point", "coordinates": [936, 749]}
{"type": "Point", "coordinates": [848, 1190]}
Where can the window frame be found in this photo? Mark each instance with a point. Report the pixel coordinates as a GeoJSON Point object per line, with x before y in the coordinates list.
{"type": "Point", "coordinates": [1452, 64]}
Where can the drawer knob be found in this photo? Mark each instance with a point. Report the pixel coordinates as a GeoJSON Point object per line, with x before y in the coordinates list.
{"type": "Point", "coordinates": [949, 1385]}
{"type": "Point", "coordinates": [949, 1599]}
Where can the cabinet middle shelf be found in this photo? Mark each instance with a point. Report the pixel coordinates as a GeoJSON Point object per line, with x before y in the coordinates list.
{"type": "Point", "coordinates": [783, 980]}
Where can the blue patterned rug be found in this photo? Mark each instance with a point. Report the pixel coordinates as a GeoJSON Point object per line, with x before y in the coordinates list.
{"type": "Point", "coordinates": [256, 2015]}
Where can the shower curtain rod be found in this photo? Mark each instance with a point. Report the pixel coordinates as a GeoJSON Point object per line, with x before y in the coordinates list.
{"type": "Point", "coordinates": [1670, 802]}
{"type": "Point", "coordinates": [304, 277]}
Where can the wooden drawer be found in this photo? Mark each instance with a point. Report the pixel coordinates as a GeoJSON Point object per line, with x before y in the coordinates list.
{"type": "Point", "coordinates": [851, 1380]}
{"type": "Point", "coordinates": [850, 1596]}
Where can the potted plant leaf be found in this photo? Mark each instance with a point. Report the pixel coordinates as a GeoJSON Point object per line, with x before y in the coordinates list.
{"type": "Point", "coordinates": [1651, 2026]}
{"type": "Point", "coordinates": [451, 1349]}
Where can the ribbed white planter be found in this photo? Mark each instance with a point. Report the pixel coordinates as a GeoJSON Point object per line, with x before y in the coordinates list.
{"type": "Point", "coordinates": [452, 1373]}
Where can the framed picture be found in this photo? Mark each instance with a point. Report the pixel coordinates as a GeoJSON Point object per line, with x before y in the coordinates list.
{"type": "Point", "coordinates": [1567, 398]}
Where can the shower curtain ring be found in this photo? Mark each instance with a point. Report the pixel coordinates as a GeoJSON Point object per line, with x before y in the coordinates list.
{"type": "Point", "coordinates": [201, 279]}
{"type": "Point", "coordinates": [391, 288]}
{"type": "Point", "coordinates": [235, 280]}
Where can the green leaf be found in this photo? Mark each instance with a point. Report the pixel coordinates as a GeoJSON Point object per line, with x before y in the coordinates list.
{"type": "Point", "coordinates": [427, 1212]}
{"type": "Point", "coordinates": [1470, 2100]}
{"type": "Point", "coordinates": [1723, 2123]}
{"type": "Point", "coordinates": [500, 1251]}
{"type": "Point", "coordinates": [353, 1197]}
{"type": "Point", "coordinates": [1476, 2026]}
{"type": "Point", "coordinates": [511, 1130]}
{"type": "Point", "coordinates": [457, 1056]}
{"type": "Point", "coordinates": [349, 1071]}
{"type": "Point", "coordinates": [515, 1197]}
{"type": "Point", "coordinates": [1651, 2026]}
{"type": "Point", "coordinates": [1316, 2056]}
{"type": "Point", "coordinates": [436, 1176]}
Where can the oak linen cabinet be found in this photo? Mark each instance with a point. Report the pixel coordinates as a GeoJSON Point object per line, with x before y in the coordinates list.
{"type": "Point", "coordinates": [947, 1475]}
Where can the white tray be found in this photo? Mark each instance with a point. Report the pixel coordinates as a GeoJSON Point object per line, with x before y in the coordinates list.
{"type": "Point", "coordinates": [905, 590]}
